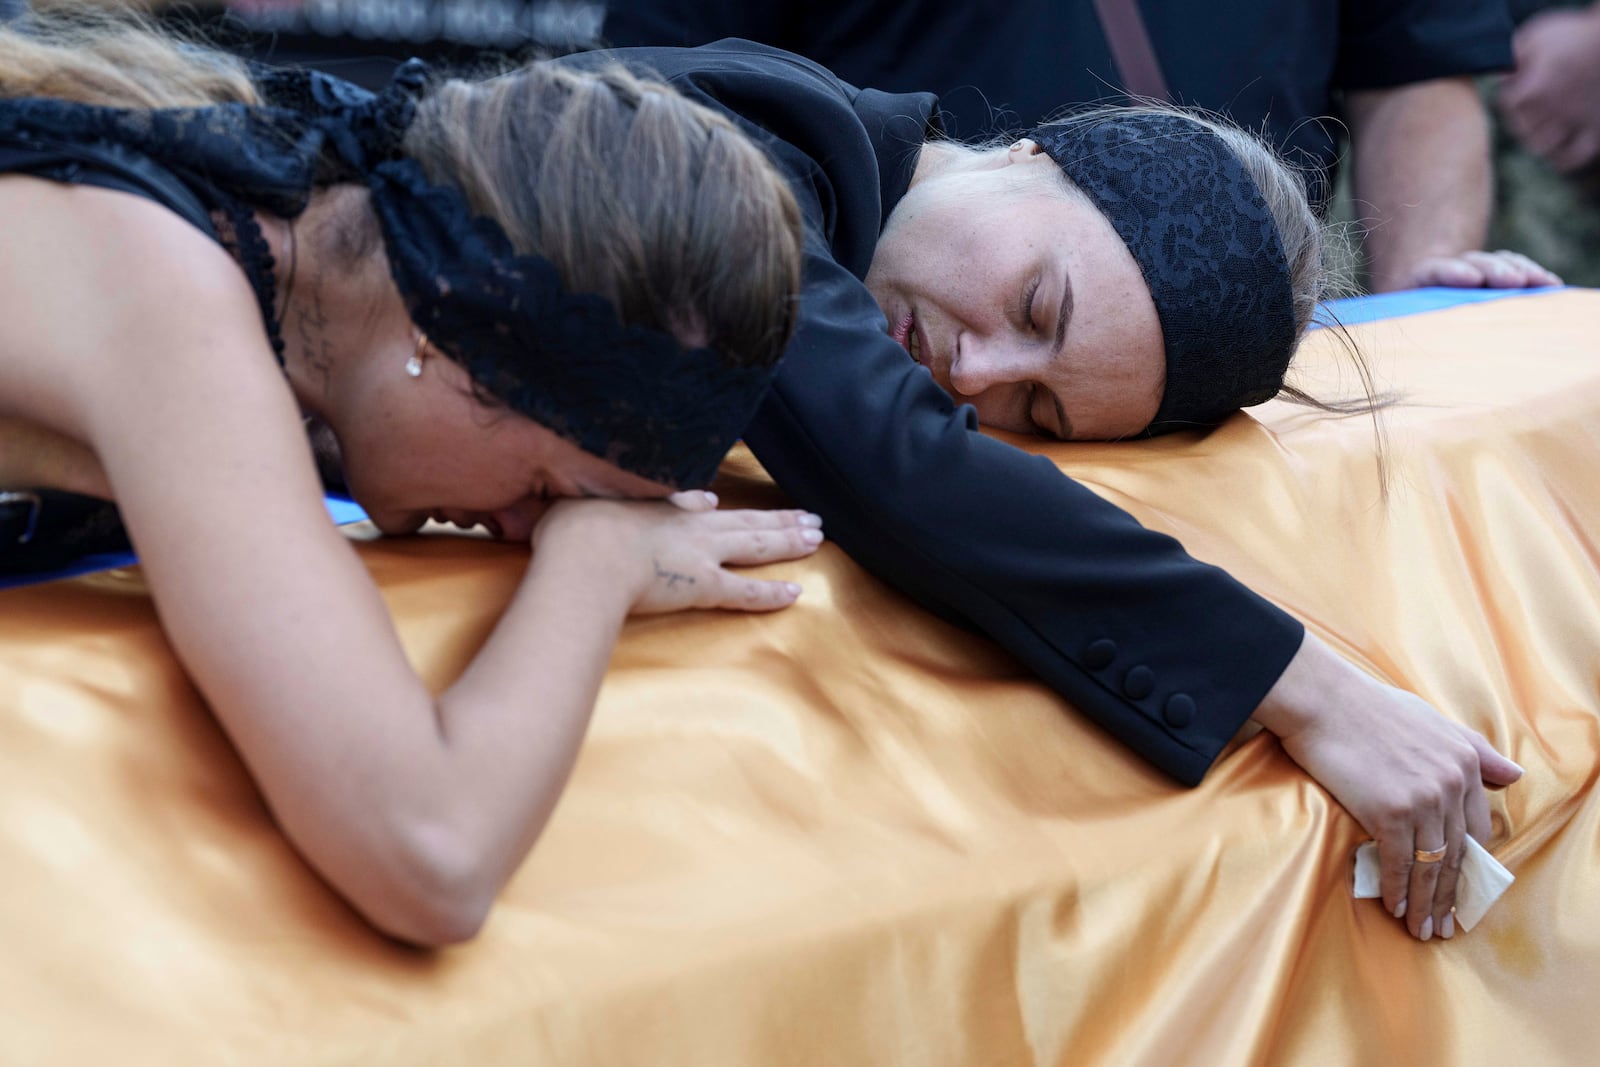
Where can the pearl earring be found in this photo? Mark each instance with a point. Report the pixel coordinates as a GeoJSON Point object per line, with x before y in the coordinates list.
{"type": "Point", "coordinates": [414, 364]}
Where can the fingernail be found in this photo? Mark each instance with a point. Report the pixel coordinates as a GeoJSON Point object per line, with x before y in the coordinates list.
{"type": "Point", "coordinates": [1400, 910]}
{"type": "Point", "coordinates": [1518, 766]}
{"type": "Point", "coordinates": [1447, 927]}
{"type": "Point", "coordinates": [811, 537]}
{"type": "Point", "coordinates": [1427, 928]}
{"type": "Point", "coordinates": [711, 496]}
{"type": "Point", "coordinates": [808, 519]}
{"type": "Point", "coordinates": [794, 590]}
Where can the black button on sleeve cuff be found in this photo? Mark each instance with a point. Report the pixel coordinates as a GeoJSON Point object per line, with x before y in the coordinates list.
{"type": "Point", "coordinates": [1099, 654]}
{"type": "Point", "coordinates": [1139, 682]}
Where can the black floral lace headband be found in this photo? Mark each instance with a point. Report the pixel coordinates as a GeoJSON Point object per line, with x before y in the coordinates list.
{"type": "Point", "coordinates": [1209, 248]}
{"type": "Point", "coordinates": [629, 394]}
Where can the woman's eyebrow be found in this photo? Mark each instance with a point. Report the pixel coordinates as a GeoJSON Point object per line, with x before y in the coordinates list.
{"type": "Point", "coordinates": [1063, 315]}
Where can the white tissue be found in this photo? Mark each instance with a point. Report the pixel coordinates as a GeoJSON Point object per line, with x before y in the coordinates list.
{"type": "Point", "coordinates": [1481, 883]}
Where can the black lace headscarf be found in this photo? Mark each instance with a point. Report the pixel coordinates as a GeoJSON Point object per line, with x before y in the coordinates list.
{"type": "Point", "coordinates": [629, 394]}
{"type": "Point", "coordinates": [1208, 246]}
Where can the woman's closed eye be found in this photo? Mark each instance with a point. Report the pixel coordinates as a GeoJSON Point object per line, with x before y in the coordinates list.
{"type": "Point", "coordinates": [1030, 295]}
{"type": "Point", "coordinates": [1045, 413]}
{"type": "Point", "coordinates": [1030, 409]}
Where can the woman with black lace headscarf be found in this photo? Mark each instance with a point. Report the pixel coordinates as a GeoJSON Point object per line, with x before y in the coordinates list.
{"type": "Point", "coordinates": [1115, 274]}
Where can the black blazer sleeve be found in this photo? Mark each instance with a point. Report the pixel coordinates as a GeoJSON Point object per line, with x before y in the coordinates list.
{"type": "Point", "coordinates": [1168, 654]}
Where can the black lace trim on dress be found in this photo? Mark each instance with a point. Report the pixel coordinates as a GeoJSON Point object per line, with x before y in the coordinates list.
{"type": "Point", "coordinates": [241, 236]}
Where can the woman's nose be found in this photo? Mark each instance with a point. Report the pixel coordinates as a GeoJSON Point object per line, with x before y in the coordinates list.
{"type": "Point", "coordinates": [517, 523]}
{"type": "Point", "coordinates": [977, 366]}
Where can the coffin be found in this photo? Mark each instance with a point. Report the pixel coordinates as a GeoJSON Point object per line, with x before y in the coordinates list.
{"type": "Point", "coordinates": [849, 833]}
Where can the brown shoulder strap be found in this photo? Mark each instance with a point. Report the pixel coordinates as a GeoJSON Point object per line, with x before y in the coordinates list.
{"type": "Point", "coordinates": [1130, 49]}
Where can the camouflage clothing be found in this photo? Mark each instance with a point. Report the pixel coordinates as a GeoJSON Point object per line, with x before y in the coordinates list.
{"type": "Point", "coordinates": [1551, 217]}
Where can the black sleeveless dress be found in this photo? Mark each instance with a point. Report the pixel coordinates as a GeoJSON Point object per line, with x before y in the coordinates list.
{"type": "Point", "coordinates": [44, 530]}
{"type": "Point", "coordinates": [210, 166]}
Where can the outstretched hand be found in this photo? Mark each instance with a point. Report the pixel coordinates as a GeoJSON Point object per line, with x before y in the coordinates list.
{"type": "Point", "coordinates": [1479, 270]}
{"type": "Point", "coordinates": [1413, 779]}
{"type": "Point", "coordinates": [674, 554]}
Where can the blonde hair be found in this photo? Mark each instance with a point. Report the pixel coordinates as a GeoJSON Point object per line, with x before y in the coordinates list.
{"type": "Point", "coordinates": [115, 59]}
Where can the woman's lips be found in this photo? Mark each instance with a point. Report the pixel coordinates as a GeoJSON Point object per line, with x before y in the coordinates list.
{"type": "Point", "coordinates": [908, 334]}
{"type": "Point", "coordinates": [902, 330]}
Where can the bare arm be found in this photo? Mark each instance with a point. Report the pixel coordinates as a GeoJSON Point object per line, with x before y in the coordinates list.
{"type": "Point", "coordinates": [1422, 177]}
{"type": "Point", "coordinates": [415, 809]}
{"type": "Point", "coordinates": [1423, 185]}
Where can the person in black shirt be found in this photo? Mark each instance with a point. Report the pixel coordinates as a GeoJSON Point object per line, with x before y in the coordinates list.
{"type": "Point", "coordinates": [1394, 73]}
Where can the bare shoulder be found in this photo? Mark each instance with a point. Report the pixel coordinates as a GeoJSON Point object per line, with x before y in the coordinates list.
{"type": "Point", "coordinates": [92, 276]}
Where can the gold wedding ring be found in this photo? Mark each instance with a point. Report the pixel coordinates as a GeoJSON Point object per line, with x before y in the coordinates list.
{"type": "Point", "coordinates": [1434, 856]}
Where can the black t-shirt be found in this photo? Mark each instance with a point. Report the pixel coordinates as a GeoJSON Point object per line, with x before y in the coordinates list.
{"type": "Point", "coordinates": [1001, 68]}
{"type": "Point", "coordinates": [1523, 10]}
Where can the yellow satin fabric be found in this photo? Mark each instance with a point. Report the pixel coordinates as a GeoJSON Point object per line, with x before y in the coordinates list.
{"type": "Point", "coordinates": [850, 834]}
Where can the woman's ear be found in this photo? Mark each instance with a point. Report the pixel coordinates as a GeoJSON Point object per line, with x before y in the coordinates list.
{"type": "Point", "coordinates": [1026, 150]}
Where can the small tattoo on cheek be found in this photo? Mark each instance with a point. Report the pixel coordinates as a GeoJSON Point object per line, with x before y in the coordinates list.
{"type": "Point", "coordinates": [671, 577]}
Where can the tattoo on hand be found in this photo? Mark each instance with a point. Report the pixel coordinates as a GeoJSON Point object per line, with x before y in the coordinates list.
{"type": "Point", "coordinates": [671, 577]}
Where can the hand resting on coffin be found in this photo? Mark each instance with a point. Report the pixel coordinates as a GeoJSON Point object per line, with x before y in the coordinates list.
{"type": "Point", "coordinates": [1474, 269]}
{"type": "Point", "coordinates": [679, 551]}
{"type": "Point", "coordinates": [1412, 778]}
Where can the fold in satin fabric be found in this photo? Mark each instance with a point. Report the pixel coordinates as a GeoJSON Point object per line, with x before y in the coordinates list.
{"type": "Point", "coordinates": [848, 833]}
